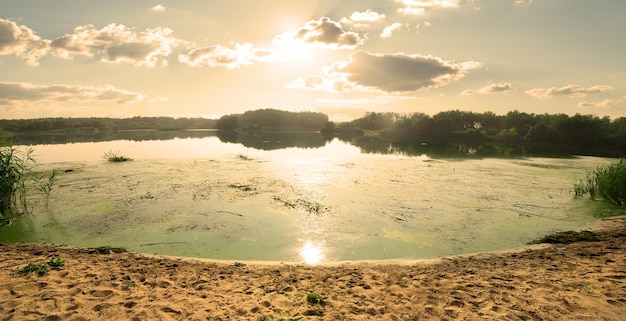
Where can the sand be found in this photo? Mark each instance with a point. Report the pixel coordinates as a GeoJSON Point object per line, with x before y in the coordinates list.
{"type": "Point", "coordinates": [578, 281]}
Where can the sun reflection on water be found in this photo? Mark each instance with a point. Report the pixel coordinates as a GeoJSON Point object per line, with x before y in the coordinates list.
{"type": "Point", "coordinates": [312, 253]}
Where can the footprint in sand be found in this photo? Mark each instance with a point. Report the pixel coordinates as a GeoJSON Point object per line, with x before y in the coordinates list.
{"type": "Point", "coordinates": [101, 293]}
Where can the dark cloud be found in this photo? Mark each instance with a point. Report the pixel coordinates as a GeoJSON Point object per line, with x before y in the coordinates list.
{"type": "Point", "coordinates": [324, 32]}
{"type": "Point", "coordinates": [399, 72]}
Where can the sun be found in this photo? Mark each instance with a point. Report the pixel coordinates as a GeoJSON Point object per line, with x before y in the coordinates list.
{"type": "Point", "coordinates": [293, 50]}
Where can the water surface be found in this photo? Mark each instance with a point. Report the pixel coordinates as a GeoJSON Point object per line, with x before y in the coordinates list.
{"type": "Point", "coordinates": [201, 197]}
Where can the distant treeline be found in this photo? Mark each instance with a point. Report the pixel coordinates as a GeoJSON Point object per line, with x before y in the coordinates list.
{"type": "Point", "coordinates": [515, 126]}
{"type": "Point", "coordinates": [104, 124]}
{"type": "Point", "coordinates": [585, 132]}
{"type": "Point", "coordinates": [264, 119]}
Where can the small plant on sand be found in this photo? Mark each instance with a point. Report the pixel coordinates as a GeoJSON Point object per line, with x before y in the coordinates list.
{"type": "Point", "coordinates": [115, 157]}
{"type": "Point", "coordinates": [56, 261]}
{"type": "Point", "coordinates": [45, 185]}
{"type": "Point", "coordinates": [130, 285]}
{"type": "Point", "coordinates": [14, 168]}
{"type": "Point", "coordinates": [33, 267]}
{"type": "Point", "coordinates": [607, 183]}
{"type": "Point", "coordinates": [314, 298]}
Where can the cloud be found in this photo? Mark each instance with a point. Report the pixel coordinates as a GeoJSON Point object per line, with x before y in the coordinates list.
{"type": "Point", "coordinates": [158, 9]}
{"type": "Point", "coordinates": [14, 92]}
{"type": "Point", "coordinates": [569, 90]}
{"type": "Point", "coordinates": [491, 88]}
{"type": "Point", "coordinates": [22, 42]}
{"type": "Point", "coordinates": [523, 2]}
{"type": "Point", "coordinates": [362, 18]}
{"type": "Point", "coordinates": [603, 104]}
{"type": "Point", "coordinates": [217, 55]}
{"type": "Point", "coordinates": [418, 7]}
{"type": "Point", "coordinates": [323, 32]}
{"type": "Point", "coordinates": [388, 73]}
{"type": "Point", "coordinates": [388, 31]}
{"type": "Point", "coordinates": [116, 43]}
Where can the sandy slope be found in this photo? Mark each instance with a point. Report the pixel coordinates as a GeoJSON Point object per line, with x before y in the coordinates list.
{"type": "Point", "coordinates": [579, 281]}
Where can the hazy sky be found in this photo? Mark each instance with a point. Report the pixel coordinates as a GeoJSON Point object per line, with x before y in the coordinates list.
{"type": "Point", "coordinates": [190, 58]}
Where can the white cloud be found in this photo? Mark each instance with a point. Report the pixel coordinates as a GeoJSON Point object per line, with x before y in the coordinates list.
{"type": "Point", "coordinates": [418, 7]}
{"type": "Point", "coordinates": [217, 55]}
{"type": "Point", "coordinates": [366, 16]}
{"type": "Point", "coordinates": [491, 88]}
{"type": "Point", "coordinates": [116, 43]}
{"type": "Point", "coordinates": [607, 103]}
{"type": "Point", "coordinates": [569, 90]}
{"type": "Point", "coordinates": [523, 2]}
{"type": "Point", "coordinates": [388, 73]}
{"type": "Point", "coordinates": [323, 32]}
{"type": "Point", "coordinates": [22, 42]}
{"type": "Point", "coordinates": [15, 92]}
{"type": "Point", "coordinates": [158, 8]}
{"type": "Point", "coordinates": [396, 26]}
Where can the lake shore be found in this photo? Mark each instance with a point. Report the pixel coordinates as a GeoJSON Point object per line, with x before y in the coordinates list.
{"type": "Point", "coordinates": [578, 281]}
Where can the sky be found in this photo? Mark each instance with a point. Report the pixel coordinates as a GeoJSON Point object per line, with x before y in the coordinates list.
{"type": "Point", "coordinates": [209, 58]}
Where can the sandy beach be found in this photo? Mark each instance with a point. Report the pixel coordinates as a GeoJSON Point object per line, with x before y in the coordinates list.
{"type": "Point", "coordinates": [578, 281]}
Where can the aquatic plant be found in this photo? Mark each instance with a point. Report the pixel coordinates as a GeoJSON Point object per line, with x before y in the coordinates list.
{"type": "Point", "coordinates": [115, 157]}
{"type": "Point", "coordinates": [45, 186]}
{"type": "Point", "coordinates": [607, 183]}
{"type": "Point", "coordinates": [14, 167]}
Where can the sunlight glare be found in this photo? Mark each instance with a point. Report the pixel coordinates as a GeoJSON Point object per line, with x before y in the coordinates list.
{"type": "Point", "coordinates": [312, 254]}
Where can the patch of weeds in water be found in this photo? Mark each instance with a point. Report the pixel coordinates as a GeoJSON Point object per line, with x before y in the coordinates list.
{"type": "Point", "coordinates": [116, 157]}
{"type": "Point", "coordinates": [56, 261]}
{"type": "Point", "coordinates": [40, 269]}
{"type": "Point", "coordinates": [302, 204]}
{"type": "Point", "coordinates": [567, 237]}
{"type": "Point", "coordinates": [244, 157]}
{"type": "Point", "coordinates": [243, 188]}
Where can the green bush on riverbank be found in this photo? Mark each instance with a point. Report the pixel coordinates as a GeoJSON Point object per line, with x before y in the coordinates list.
{"type": "Point", "coordinates": [605, 182]}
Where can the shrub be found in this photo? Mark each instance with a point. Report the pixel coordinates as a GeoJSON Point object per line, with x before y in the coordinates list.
{"type": "Point", "coordinates": [14, 167]}
{"type": "Point", "coordinates": [607, 183]}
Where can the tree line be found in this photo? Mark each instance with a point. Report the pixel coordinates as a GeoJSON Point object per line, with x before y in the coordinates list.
{"type": "Point", "coordinates": [515, 126]}
{"type": "Point", "coordinates": [94, 124]}
{"type": "Point", "coordinates": [271, 119]}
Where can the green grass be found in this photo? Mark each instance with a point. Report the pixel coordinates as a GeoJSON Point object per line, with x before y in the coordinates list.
{"type": "Point", "coordinates": [15, 166]}
{"type": "Point", "coordinates": [115, 157]}
{"type": "Point", "coordinates": [607, 183]}
{"type": "Point", "coordinates": [41, 269]}
{"type": "Point", "coordinates": [56, 261]}
{"type": "Point", "coordinates": [314, 298]}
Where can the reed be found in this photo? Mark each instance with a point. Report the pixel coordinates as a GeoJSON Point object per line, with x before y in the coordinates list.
{"type": "Point", "coordinates": [15, 165]}
{"type": "Point", "coordinates": [607, 183]}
